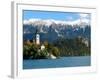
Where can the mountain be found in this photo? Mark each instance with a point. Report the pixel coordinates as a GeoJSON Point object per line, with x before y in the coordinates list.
{"type": "Point", "coordinates": [49, 22]}
{"type": "Point", "coordinates": [52, 29]}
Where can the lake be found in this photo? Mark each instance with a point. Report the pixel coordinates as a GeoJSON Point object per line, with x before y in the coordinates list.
{"type": "Point", "coordinates": [57, 63]}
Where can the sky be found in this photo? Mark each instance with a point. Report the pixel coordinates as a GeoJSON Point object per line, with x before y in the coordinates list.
{"type": "Point", "coordinates": [45, 15]}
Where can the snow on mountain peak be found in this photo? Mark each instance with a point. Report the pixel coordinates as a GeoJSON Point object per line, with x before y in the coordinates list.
{"type": "Point", "coordinates": [49, 22]}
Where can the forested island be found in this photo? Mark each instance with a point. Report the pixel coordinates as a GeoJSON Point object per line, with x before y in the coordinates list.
{"type": "Point", "coordinates": [61, 47]}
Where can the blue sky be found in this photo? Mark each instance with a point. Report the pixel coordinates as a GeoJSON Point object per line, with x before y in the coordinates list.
{"type": "Point", "coordinates": [66, 16]}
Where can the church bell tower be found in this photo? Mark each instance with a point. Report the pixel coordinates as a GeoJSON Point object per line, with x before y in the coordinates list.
{"type": "Point", "coordinates": [37, 37]}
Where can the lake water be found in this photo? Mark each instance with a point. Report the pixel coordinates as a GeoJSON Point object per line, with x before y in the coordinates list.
{"type": "Point", "coordinates": [57, 63]}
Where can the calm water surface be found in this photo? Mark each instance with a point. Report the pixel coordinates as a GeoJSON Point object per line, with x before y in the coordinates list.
{"type": "Point", "coordinates": [56, 63]}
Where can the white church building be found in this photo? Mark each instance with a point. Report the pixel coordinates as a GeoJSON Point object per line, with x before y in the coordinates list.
{"type": "Point", "coordinates": [37, 37]}
{"type": "Point", "coordinates": [37, 41]}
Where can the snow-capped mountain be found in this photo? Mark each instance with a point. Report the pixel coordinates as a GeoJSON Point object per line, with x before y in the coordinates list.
{"type": "Point", "coordinates": [53, 29]}
{"type": "Point", "coordinates": [49, 22]}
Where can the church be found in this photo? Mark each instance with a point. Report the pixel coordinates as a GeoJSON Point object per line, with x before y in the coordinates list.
{"type": "Point", "coordinates": [42, 47]}
{"type": "Point", "coordinates": [37, 40]}
{"type": "Point", "coordinates": [37, 37]}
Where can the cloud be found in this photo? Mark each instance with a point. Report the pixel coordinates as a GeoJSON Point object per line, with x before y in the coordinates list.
{"type": "Point", "coordinates": [30, 21]}
{"type": "Point", "coordinates": [25, 21]}
{"type": "Point", "coordinates": [85, 18]}
{"type": "Point", "coordinates": [84, 15]}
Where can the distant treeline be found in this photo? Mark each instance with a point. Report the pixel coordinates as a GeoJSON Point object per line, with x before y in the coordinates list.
{"type": "Point", "coordinates": [73, 47]}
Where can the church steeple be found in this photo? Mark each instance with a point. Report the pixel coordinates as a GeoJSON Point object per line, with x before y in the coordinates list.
{"type": "Point", "coordinates": [37, 39]}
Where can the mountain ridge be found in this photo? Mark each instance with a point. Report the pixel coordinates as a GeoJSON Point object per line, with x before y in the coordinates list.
{"type": "Point", "coordinates": [56, 31]}
{"type": "Point", "coordinates": [48, 22]}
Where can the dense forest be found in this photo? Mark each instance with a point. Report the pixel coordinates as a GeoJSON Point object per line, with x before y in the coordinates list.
{"type": "Point", "coordinates": [61, 47]}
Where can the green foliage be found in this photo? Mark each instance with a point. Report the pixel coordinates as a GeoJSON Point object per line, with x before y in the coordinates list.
{"type": "Point", "coordinates": [55, 51]}
{"type": "Point", "coordinates": [72, 47]}
{"type": "Point", "coordinates": [60, 47]}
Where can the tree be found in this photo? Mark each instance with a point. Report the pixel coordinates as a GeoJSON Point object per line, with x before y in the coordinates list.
{"type": "Point", "coordinates": [55, 51]}
{"type": "Point", "coordinates": [46, 44]}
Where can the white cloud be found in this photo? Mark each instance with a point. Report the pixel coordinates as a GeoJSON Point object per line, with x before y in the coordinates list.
{"type": "Point", "coordinates": [26, 22]}
{"type": "Point", "coordinates": [85, 18]}
{"type": "Point", "coordinates": [30, 21]}
{"type": "Point", "coordinates": [84, 15]}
